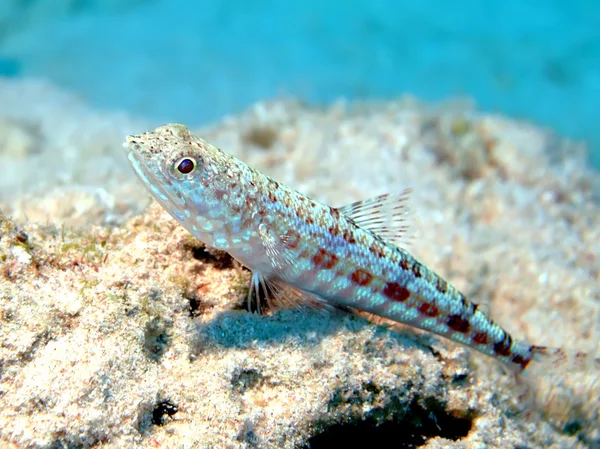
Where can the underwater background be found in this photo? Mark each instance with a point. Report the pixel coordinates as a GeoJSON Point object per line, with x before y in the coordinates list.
{"type": "Point", "coordinates": [119, 329]}
{"type": "Point", "coordinates": [194, 61]}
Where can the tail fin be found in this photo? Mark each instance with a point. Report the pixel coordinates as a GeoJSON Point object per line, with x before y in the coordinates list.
{"type": "Point", "coordinates": [564, 361]}
{"type": "Point", "coordinates": [564, 387]}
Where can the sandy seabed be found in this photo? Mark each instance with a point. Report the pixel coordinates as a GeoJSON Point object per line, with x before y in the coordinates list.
{"type": "Point", "coordinates": [118, 329]}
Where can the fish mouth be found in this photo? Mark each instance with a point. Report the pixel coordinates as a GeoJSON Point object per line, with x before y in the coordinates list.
{"type": "Point", "coordinates": [142, 168]}
{"type": "Point", "coordinates": [161, 187]}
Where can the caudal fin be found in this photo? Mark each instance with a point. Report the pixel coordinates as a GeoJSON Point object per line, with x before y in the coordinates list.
{"type": "Point", "coordinates": [565, 361]}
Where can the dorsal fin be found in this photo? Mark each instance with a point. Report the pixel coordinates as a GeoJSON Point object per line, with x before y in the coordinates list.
{"type": "Point", "coordinates": [385, 215]}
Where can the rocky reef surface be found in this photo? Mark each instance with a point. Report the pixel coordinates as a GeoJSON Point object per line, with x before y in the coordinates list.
{"type": "Point", "coordinates": [119, 329]}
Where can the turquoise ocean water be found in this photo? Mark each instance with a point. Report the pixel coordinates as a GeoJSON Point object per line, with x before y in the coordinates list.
{"type": "Point", "coordinates": [194, 61]}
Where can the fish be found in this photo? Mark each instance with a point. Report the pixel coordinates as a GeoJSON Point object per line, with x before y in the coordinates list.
{"type": "Point", "coordinates": [303, 252]}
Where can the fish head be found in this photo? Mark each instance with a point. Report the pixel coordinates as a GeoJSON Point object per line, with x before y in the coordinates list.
{"type": "Point", "coordinates": [192, 179]}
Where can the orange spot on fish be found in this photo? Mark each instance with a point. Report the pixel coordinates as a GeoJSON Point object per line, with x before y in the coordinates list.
{"type": "Point", "coordinates": [481, 338]}
{"type": "Point", "coordinates": [459, 324]}
{"type": "Point", "coordinates": [324, 260]}
{"type": "Point", "coordinates": [349, 237]}
{"type": "Point", "coordinates": [396, 292]}
{"type": "Point", "coordinates": [428, 309]}
{"type": "Point", "coordinates": [441, 286]}
{"type": "Point", "coordinates": [361, 277]}
{"type": "Point", "coordinates": [502, 348]}
{"type": "Point", "coordinates": [416, 268]}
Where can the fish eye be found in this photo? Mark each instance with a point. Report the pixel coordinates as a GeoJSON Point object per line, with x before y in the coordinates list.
{"type": "Point", "coordinates": [186, 165]}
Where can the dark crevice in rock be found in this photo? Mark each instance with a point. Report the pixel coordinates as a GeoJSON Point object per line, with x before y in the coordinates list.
{"type": "Point", "coordinates": [417, 426]}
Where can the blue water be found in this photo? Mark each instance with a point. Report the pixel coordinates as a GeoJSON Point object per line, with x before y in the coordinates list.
{"type": "Point", "coordinates": [196, 60]}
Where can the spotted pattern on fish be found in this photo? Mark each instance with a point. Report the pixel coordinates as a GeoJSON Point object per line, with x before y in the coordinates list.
{"type": "Point", "coordinates": [350, 256]}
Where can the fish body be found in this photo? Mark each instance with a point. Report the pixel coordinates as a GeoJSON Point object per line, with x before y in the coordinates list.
{"type": "Point", "coordinates": [302, 249]}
